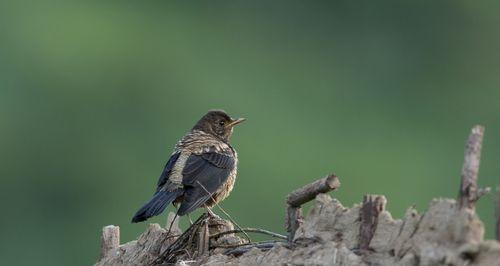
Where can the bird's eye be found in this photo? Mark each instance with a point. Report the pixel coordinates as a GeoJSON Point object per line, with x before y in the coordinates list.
{"type": "Point", "coordinates": [222, 123]}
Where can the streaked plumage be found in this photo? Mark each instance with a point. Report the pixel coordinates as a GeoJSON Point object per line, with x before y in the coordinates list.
{"type": "Point", "coordinates": [200, 172]}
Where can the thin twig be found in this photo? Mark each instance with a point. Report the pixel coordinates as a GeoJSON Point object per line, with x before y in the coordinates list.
{"type": "Point", "coordinates": [171, 236]}
{"type": "Point", "coordinates": [250, 230]}
{"type": "Point", "coordinates": [248, 244]}
{"type": "Point", "coordinates": [240, 250]}
{"type": "Point", "coordinates": [182, 243]}
{"type": "Point", "coordinates": [228, 216]}
{"type": "Point", "coordinates": [497, 213]}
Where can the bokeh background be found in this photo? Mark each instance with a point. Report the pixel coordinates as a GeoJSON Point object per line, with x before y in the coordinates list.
{"type": "Point", "coordinates": [94, 94]}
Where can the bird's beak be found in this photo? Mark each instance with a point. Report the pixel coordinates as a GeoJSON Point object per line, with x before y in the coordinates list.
{"type": "Point", "coordinates": [235, 122]}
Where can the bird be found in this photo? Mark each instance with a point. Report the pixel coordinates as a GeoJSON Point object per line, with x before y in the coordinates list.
{"type": "Point", "coordinates": [200, 172]}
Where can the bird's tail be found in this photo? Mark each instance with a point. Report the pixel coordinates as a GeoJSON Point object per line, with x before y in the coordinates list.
{"type": "Point", "coordinates": [156, 205]}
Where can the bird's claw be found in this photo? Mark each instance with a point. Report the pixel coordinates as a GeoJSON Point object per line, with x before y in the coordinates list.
{"type": "Point", "coordinates": [212, 214]}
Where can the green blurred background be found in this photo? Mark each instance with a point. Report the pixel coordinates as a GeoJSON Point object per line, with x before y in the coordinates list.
{"type": "Point", "coordinates": [94, 94]}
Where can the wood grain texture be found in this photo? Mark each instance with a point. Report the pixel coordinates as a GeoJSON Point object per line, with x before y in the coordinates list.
{"type": "Point", "coordinates": [469, 192]}
{"type": "Point", "coordinates": [293, 221]}
{"type": "Point", "coordinates": [110, 239]}
{"type": "Point", "coordinates": [448, 232]}
{"type": "Point", "coordinates": [372, 206]}
{"type": "Point", "coordinates": [442, 235]}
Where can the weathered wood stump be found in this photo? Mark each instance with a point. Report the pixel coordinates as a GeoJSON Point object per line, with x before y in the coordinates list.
{"type": "Point", "coordinates": [447, 233]}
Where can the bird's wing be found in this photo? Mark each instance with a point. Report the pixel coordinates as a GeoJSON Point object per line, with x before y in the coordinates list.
{"type": "Point", "coordinates": [203, 175]}
{"type": "Point", "coordinates": [166, 171]}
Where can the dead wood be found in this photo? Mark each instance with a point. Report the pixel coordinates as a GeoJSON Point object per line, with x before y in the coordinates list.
{"type": "Point", "coordinates": [447, 233]}
{"type": "Point", "coordinates": [296, 198]}
{"type": "Point", "coordinates": [110, 239]}
{"type": "Point", "coordinates": [469, 192]}
{"type": "Point", "coordinates": [372, 206]}
{"type": "Point", "coordinates": [308, 192]}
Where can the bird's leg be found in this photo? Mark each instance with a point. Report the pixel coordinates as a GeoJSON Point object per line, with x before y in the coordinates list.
{"type": "Point", "coordinates": [177, 209]}
{"type": "Point", "coordinates": [211, 213]}
{"type": "Point", "coordinates": [173, 220]}
{"type": "Point", "coordinates": [171, 223]}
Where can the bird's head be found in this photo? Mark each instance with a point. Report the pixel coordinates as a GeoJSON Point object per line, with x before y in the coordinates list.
{"type": "Point", "coordinates": [217, 123]}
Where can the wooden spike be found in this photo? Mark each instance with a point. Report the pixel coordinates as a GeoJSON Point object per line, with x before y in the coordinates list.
{"type": "Point", "coordinates": [110, 239]}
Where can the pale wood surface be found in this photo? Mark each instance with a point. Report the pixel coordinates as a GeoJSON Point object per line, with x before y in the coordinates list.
{"type": "Point", "coordinates": [372, 206]}
{"type": "Point", "coordinates": [469, 192]}
{"type": "Point", "coordinates": [448, 232]}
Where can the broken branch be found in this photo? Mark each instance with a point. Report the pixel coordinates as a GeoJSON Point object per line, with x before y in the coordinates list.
{"type": "Point", "coordinates": [296, 198]}
{"type": "Point", "coordinates": [308, 192]}
{"type": "Point", "coordinates": [469, 192]}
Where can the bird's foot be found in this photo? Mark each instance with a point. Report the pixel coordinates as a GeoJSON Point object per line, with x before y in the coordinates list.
{"type": "Point", "coordinates": [212, 214]}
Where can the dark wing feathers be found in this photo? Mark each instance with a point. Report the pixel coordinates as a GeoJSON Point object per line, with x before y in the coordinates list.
{"type": "Point", "coordinates": [166, 171]}
{"type": "Point", "coordinates": [193, 198]}
{"type": "Point", "coordinates": [219, 160]}
{"type": "Point", "coordinates": [202, 176]}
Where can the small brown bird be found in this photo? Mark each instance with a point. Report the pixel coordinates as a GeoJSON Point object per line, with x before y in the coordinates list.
{"type": "Point", "coordinates": [200, 172]}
